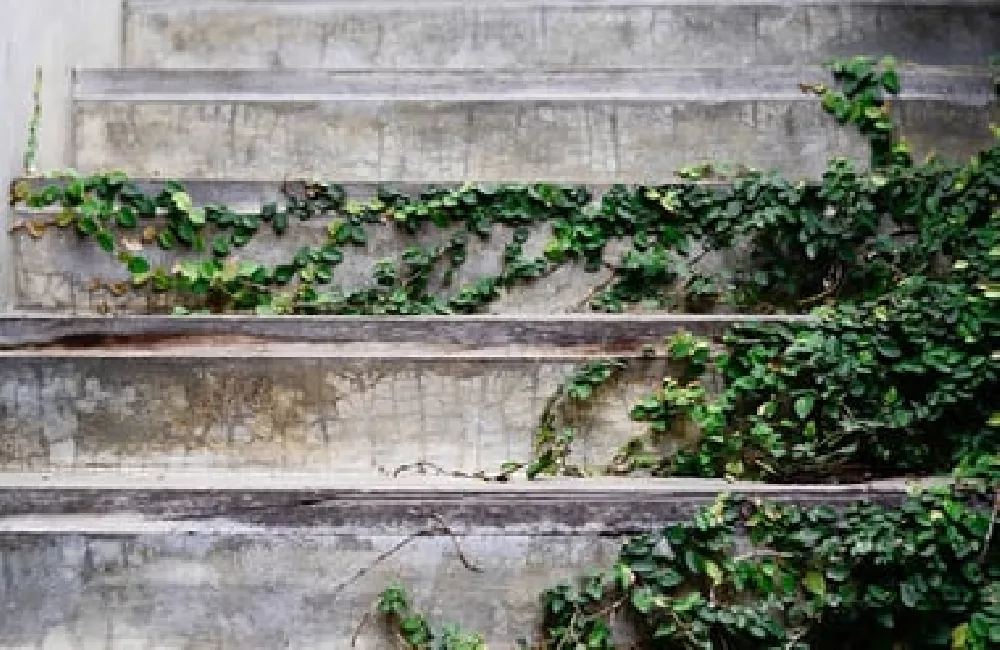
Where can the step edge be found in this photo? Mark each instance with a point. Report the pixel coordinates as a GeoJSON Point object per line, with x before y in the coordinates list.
{"type": "Point", "coordinates": [778, 83]}
{"type": "Point", "coordinates": [170, 6]}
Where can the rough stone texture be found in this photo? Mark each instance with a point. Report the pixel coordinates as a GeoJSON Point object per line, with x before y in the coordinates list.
{"type": "Point", "coordinates": [596, 141]}
{"type": "Point", "coordinates": [301, 407]}
{"type": "Point", "coordinates": [56, 35]}
{"type": "Point", "coordinates": [391, 34]}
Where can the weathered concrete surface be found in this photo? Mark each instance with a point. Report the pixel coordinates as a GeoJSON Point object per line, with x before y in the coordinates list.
{"type": "Point", "coordinates": [177, 501]}
{"type": "Point", "coordinates": [613, 331]}
{"type": "Point", "coordinates": [56, 35]}
{"type": "Point", "coordinates": [570, 127]}
{"type": "Point", "coordinates": [184, 578]}
{"type": "Point", "coordinates": [272, 589]}
{"type": "Point", "coordinates": [350, 408]}
{"type": "Point", "coordinates": [394, 34]}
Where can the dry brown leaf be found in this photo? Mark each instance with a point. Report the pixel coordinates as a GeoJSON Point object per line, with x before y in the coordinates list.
{"type": "Point", "coordinates": [37, 228]}
{"type": "Point", "coordinates": [65, 217]}
{"type": "Point", "coordinates": [19, 191]}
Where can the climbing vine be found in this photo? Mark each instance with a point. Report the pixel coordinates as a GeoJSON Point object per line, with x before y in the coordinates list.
{"type": "Point", "coordinates": [804, 242]}
{"type": "Point", "coordinates": [757, 575]}
{"type": "Point", "coordinates": [898, 373]}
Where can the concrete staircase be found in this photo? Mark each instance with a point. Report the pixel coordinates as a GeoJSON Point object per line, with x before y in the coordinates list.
{"type": "Point", "coordinates": [219, 482]}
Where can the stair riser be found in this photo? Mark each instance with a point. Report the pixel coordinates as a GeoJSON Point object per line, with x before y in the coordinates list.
{"type": "Point", "coordinates": [270, 590]}
{"type": "Point", "coordinates": [301, 409]}
{"type": "Point", "coordinates": [57, 272]}
{"type": "Point", "coordinates": [618, 35]}
{"type": "Point", "coordinates": [574, 141]}
{"type": "Point", "coordinates": [229, 568]}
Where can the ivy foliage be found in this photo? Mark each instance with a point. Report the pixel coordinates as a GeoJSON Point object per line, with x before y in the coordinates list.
{"type": "Point", "coordinates": [746, 574]}
{"type": "Point", "coordinates": [415, 630]}
{"type": "Point", "coordinates": [905, 378]}
{"type": "Point", "coordinates": [898, 373]}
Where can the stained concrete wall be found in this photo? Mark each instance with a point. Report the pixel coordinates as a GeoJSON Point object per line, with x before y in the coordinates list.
{"type": "Point", "coordinates": [306, 407]}
{"type": "Point", "coordinates": [232, 561]}
{"type": "Point", "coordinates": [641, 34]}
{"type": "Point", "coordinates": [57, 35]}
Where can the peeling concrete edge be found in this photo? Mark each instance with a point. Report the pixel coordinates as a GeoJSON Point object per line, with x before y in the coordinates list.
{"type": "Point", "coordinates": [953, 84]}
{"type": "Point", "coordinates": [32, 329]}
{"type": "Point", "coordinates": [398, 5]}
{"type": "Point", "coordinates": [181, 480]}
{"type": "Point", "coordinates": [227, 504]}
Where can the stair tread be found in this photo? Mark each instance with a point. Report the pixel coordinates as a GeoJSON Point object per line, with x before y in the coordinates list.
{"type": "Point", "coordinates": [361, 487]}
{"type": "Point", "coordinates": [166, 502]}
{"type": "Point", "coordinates": [31, 328]}
{"type": "Point", "coordinates": [384, 5]}
{"type": "Point", "coordinates": [954, 83]}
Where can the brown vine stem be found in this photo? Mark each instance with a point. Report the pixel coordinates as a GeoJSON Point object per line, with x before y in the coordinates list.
{"type": "Point", "coordinates": [409, 539]}
{"type": "Point", "coordinates": [834, 287]}
{"type": "Point", "coordinates": [988, 539]}
{"type": "Point", "coordinates": [593, 293]}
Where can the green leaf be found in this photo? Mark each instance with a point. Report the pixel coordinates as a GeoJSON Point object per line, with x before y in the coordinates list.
{"type": "Point", "coordinates": [220, 245]}
{"type": "Point", "coordinates": [197, 216]}
{"type": "Point", "coordinates": [688, 602]}
{"type": "Point", "coordinates": [960, 637]}
{"type": "Point", "coordinates": [804, 406]}
{"type": "Point", "coordinates": [138, 265]}
{"type": "Point", "coordinates": [815, 583]}
{"type": "Point", "coordinates": [713, 572]}
{"type": "Point", "coordinates": [182, 201]}
{"type": "Point", "coordinates": [106, 241]}
{"type": "Point", "coordinates": [891, 82]}
{"type": "Point", "coordinates": [280, 223]}
{"type": "Point", "coordinates": [166, 240]}
{"type": "Point", "coordinates": [126, 217]}
{"type": "Point", "coordinates": [642, 600]}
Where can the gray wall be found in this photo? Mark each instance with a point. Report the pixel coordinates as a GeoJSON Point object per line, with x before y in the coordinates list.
{"type": "Point", "coordinates": [57, 35]}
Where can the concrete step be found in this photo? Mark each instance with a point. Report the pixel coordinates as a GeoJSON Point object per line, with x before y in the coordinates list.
{"type": "Point", "coordinates": [592, 127]}
{"type": "Point", "coordinates": [349, 395]}
{"type": "Point", "coordinates": [181, 560]}
{"type": "Point", "coordinates": [578, 34]}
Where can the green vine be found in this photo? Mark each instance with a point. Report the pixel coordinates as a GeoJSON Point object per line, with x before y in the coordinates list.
{"type": "Point", "coordinates": [924, 575]}
{"type": "Point", "coordinates": [414, 629]}
{"type": "Point", "coordinates": [806, 242]}
{"type": "Point", "coordinates": [860, 100]}
{"type": "Point", "coordinates": [899, 373]}
{"type": "Point", "coordinates": [552, 441]}
{"type": "Point", "coordinates": [34, 124]}
{"type": "Point", "coordinates": [757, 575]}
